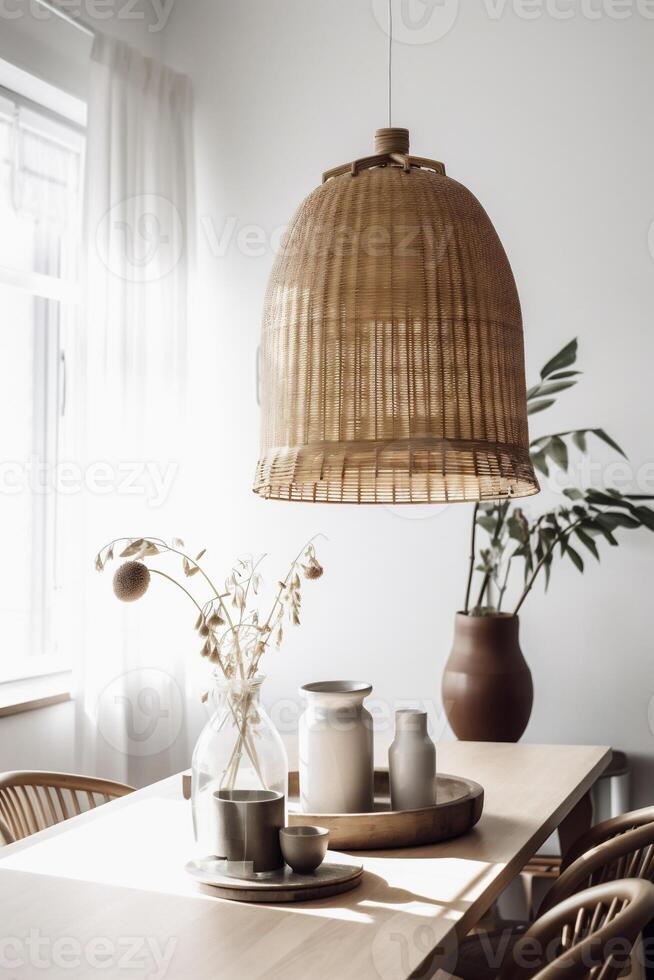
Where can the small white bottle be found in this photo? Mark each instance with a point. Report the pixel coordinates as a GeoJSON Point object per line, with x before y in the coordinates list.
{"type": "Point", "coordinates": [412, 762]}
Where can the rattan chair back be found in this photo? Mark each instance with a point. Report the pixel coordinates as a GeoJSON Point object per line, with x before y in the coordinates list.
{"type": "Point", "coordinates": [589, 935]}
{"type": "Point", "coordinates": [33, 801]}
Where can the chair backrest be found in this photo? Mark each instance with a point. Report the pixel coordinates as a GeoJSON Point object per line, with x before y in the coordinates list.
{"type": "Point", "coordinates": [607, 830]}
{"type": "Point", "coordinates": [32, 801]}
{"type": "Point", "coordinates": [6, 836]}
{"type": "Point", "coordinates": [587, 936]}
{"type": "Point", "coordinates": [629, 855]}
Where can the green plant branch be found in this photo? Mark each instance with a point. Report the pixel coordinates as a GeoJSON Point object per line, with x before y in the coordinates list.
{"type": "Point", "coordinates": [504, 585]}
{"type": "Point", "coordinates": [482, 591]}
{"type": "Point", "coordinates": [471, 567]}
{"type": "Point", "coordinates": [559, 537]}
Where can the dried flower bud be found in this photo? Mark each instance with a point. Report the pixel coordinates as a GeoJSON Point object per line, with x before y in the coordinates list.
{"type": "Point", "coordinates": [131, 581]}
{"type": "Point", "coordinates": [313, 570]}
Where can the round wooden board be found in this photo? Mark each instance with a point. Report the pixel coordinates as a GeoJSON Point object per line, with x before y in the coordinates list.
{"type": "Point", "coordinates": [458, 807]}
{"type": "Point", "coordinates": [284, 885]}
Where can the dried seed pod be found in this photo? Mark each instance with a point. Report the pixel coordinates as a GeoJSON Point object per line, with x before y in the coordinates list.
{"type": "Point", "coordinates": [131, 581]}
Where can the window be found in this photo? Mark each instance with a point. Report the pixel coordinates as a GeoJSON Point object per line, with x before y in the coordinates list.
{"type": "Point", "coordinates": [41, 167]}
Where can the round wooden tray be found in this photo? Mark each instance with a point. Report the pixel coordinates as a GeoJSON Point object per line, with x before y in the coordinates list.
{"type": "Point", "coordinates": [458, 807]}
{"type": "Point", "coordinates": [331, 878]}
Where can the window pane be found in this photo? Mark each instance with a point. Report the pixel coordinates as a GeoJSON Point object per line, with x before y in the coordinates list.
{"type": "Point", "coordinates": [17, 400]}
{"type": "Point", "coordinates": [40, 196]}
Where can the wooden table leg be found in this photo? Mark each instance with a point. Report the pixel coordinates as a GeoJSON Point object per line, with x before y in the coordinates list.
{"type": "Point", "coordinates": [578, 821]}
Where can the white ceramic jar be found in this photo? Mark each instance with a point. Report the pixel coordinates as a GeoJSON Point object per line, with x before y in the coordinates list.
{"type": "Point", "coordinates": [412, 762]}
{"type": "Point", "coordinates": [336, 748]}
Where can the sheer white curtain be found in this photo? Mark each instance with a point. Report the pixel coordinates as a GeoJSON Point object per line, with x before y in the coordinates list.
{"type": "Point", "coordinates": [131, 684]}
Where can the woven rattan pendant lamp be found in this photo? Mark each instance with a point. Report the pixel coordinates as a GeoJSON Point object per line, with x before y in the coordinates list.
{"type": "Point", "coordinates": [392, 363]}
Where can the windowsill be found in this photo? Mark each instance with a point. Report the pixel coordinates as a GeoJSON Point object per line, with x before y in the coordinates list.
{"type": "Point", "coordinates": [34, 692]}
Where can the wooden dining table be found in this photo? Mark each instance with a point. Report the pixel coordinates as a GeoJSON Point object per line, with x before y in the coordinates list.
{"type": "Point", "coordinates": [106, 894]}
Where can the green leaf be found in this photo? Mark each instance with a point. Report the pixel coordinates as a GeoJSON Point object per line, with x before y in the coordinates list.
{"type": "Point", "coordinates": [622, 520]}
{"type": "Point", "coordinates": [553, 388]}
{"type": "Point", "coordinates": [601, 434]}
{"type": "Point", "coordinates": [565, 357]}
{"type": "Point", "coordinates": [557, 450]}
{"type": "Point", "coordinates": [539, 406]}
{"type": "Point", "coordinates": [573, 493]}
{"type": "Point", "coordinates": [606, 521]}
{"type": "Point", "coordinates": [540, 462]}
{"type": "Point", "coordinates": [600, 527]}
{"type": "Point", "coordinates": [488, 523]}
{"type": "Point", "coordinates": [607, 499]}
{"type": "Point", "coordinates": [565, 374]}
{"type": "Point", "coordinates": [588, 541]}
{"type": "Point", "coordinates": [576, 558]}
{"type": "Point", "coordinates": [579, 439]}
{"type": "Point", "coordinates": [518, 526]}
{"type": "Point", "coordinates": [646, 517]}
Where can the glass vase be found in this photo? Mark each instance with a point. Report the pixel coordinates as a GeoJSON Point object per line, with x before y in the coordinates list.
{"type": "Point", "coordinates": [238, 749]}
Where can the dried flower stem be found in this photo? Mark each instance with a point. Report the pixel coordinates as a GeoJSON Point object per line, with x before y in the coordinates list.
{"type": "Point", "coordinates": [156, 571]}
{"type": "Point", "coordinates": [255, 664]}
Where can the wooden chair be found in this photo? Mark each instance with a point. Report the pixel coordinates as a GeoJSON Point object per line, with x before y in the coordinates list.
{"type": "Point", "coordinates": [6, 837]}
{"type": "Point", "coordinates": [589, 935]}
{"type": "Point", "coordinates": [607, 830]}
{"type": "Point", "coordinates": [32, 801]}
{"type": "Point", "coordinates": [629, 854]}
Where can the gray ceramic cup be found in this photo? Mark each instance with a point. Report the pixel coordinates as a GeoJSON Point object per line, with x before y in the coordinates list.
{"type": "Point", "coordinates": [248, 824]}
{"type": "Point", "coordinates": [304, 848]}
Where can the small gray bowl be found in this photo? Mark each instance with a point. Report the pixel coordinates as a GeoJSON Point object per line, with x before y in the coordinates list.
{"type": "Point", "coordinates": [304, 848]}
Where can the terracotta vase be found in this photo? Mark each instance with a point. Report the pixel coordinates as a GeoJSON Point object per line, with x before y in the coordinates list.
{"type": "Point", "coordinates": [487, 687]}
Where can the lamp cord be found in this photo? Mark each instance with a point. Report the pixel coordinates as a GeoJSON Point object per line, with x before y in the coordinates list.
{"type": "Point", "coordinates": [390, 61]}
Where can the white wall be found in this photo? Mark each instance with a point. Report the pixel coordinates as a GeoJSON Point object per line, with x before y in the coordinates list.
{"type": "Point", "coordinates": [42, 43]}
{"type": "Point", "coordinates": [550, 123]}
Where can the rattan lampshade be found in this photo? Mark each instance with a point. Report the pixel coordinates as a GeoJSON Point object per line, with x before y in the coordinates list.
{"type": "Point", "coordinates": [392, 362]}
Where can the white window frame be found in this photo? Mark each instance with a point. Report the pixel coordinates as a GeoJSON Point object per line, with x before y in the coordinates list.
{"type": "Point", "coordinates": [47, 673]}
